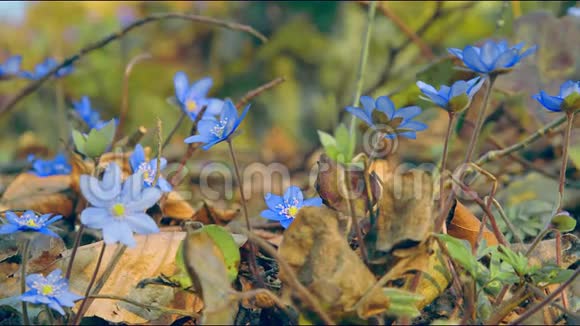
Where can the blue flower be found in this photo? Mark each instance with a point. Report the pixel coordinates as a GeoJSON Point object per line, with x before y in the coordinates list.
{"type": "Point", "coordinates": [284, 209]}
{"type": "Point", "coordinates": [574, 12]}
{"type": "Point", "coordinates": [492, 57]}
{"type": "Point", "coordinates": [44, 67]}
{"type": "Point", "coordinates": [91, 118]}
{"type": "Point", "coordinates": [29, 222]}
{"type": "Point", "coordinates": [51, 290]}
{"type": "Point", "coordinates": [212, 131]}
{"type": "Point", "coordinates": [568, 100]}
{"type": "Point", "coordinates": [193, 97]}
{"type": "Point", "coordinates": [118, 208]}
{"type": "Point", "coordinates": [11, 66]}
{"type": "Point", "coordinates": [44, 168]}
{"type": "Point", "coordinates": [148, 168]}
{"type": "Point", "coordinates": [382, 116]}
{"type": "Point", "coordinates": [455, 98]}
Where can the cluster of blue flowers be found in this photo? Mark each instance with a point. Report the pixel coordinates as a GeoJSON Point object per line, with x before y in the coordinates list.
{"type": "Point", "coordinates": [11, 68]}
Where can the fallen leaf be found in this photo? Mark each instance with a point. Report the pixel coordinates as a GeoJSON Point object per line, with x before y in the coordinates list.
{"type": "Point", "coordinates": [208, 214]}
{"type": "Point", "coordinates": [206, 266]}
{"type": "Point", "coordinates": [52, 194]}
{"type": "Point", "coordinates": [545, 254]}
{"type": "Point", "coordinates": [152, 256]}
{"type": "Point", "coordinates": [330, 186]}
{"type": "Point", "coordinates": [325, 264]}
{"type": "Point", "coordinates": [174, 206]}
{"type": "Point", "coordinates": [464, 225]}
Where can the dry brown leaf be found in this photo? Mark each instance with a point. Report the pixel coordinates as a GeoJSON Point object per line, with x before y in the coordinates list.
{"type": "Point", "coordinates": [52, 194]}
{"type": "Point", "coordinates": [545, 253]}
{"type": "Point", "coordinates": [174, 206]}
{"type": "Point", "coordinates": [326, 265]}
{"type": "Point", "coordinates": [153, 255]}
{"type": "Point", "coordinates": [464, 225]}
{"type": "Point", "coordinates": [206, 266]}
{"type": "Point", "coordinates": [208, 214]}
{"type": "Point", "coordinates": [271, 237]}
{"type": "Point", "coordinates": [330, 186]}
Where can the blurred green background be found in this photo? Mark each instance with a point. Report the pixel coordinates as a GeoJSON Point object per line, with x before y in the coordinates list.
{"type": "Point", "coordinates": [315, 46]}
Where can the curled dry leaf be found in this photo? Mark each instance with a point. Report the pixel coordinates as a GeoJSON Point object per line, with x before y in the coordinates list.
{"type": "Point", "coordinates": [152, 256]}
{"type": "Point", "coordinates": [175, 207]}
{"type": "Point", "coordinates": [52, 194]}
{"type": "Point", "coordinates": [325, 264]}
{"type": "Point", "coordinates": [330, 186]}
{"type": "Point", "coordinates": [464, 225]}
{"type": "Point", "coordinates": [208, 214]}
{"type": "Point", "coordinates": [206, 266]}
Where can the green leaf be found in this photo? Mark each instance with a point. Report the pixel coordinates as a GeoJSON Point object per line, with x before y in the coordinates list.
{"type": "Point", "coordinates": [563, 222]}
{"type": "Point", "coordinates": [181, 276]}
{"type": "Point", "coordinates": [326, 139]}
{"type": "Point", "coordinates": [402, 303]}
{"type": "Point", "coordinates": [79, 140]}
{"type": "Point", "coordinates": [225, 242]}
{"type": "Point", "coordinates": [551, 274]}
{"type": "Point", "coordinates": [518, 261]}
{"type": "Point", "coordinates": [344, 142]}
{"type": "Point", "coordinates": [98, 140]}
{"type": "Point", "coordinates": [460, 251]}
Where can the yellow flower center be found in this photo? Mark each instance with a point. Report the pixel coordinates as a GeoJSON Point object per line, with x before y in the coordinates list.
{"type": "Point", "coordinates": [118, 210]}
{"type": "Point", "coordinates": [46, 290]}
{"type": "Point", "coordinates": [31, 223]}
{"type": "Point", "coordinates": [292, 211]}
{"type": "Point", "coordinates": [145, 175]}
{"type": "Point", "coordinates": [190, 105]}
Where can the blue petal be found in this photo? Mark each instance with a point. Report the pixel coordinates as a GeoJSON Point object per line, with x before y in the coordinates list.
{"type": "Point", "coordinates": [458, 88]}
{"type": "Point", "coordinates": [409, 134]}
{"type": "Point", "coordinates": [361, 114]}
{"type": "Point", "coordinates": [552, 103]}
{"type": "Point", "coordinates": [137, 157]}
{"type": "Point", "coordinates": [214, 106]}
{"type": "Point", "coordinates": [11, 217]}
{"type": "Point", "coordinates": [229, 113]}
{"type": "Point", "coordinates": [164, 185]}
{"type": "Point", "coordinates": [53, 304]}
{"type": "Point", "coordinates": [147, 198]}
{"type": "Point", "coordinates": [385, 105]}
{"type": "Point", "coordinates": [528, 52]}
{"type": "Point", "coordinates": [212, 143]}
{"type": "Point", "coordinates": [9, 228]}
{"type": "Point", "coordinates": [95, 218]}
{"type": "Point", "coordinates": [489, 54]}
{"type": "Point", "coordinates": [181, 85]}
{"type": "Point", "coordinates": [456, 52]}
{"type": "Point", "coordinates": [200, 88]}
{"type": "Point", "coordinates": [141, 223]}
{"type": "Point", "coordinates": [293, 193]}
{"type": "Point", "coordinates": [67, 299]}
{"type": "Point", "coordinates": [407, 113]}
{"type": "Point", "coordinates": [197, 139]}
{"type": "Point", "coordinates": [368, 104]}
{"type": "Point", "coordinates": [273, 201]}
{"type": "Point", "coordinates": [53, 219]}
{"type": "Point", "coordinates": [11, 65]}
{"type": "Point", "coordinates": [286, 223]}
{"type": "Point", "coordinates": [228, 133]}
{"type": "Point", "coordinates": [506, 59]}
{"type": "Point", "coordinates": [206, 126]}
{"type": "Point", "coordinates": [472, 60]}
{"type": "Point", "coordinates": [568, 88]}
{"type": "Point", "coordinates": [315, 201]}
{"type": "Point", "coordinates": [475, 85]}
{"type": "Point", "coordinates": [414, 125]}
{"type": "Point", "coordinates": [272, 215]}
{"type": "Point", "coordinates": [118, 232]}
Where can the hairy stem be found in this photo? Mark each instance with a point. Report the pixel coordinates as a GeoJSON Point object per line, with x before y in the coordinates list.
{"type": "Point", "coordinates": [480, 118]}
{"type": "Point", "coordinates": [253, 263]}
{"type": "Point", "coordinates": [565, 146]}
{"type": "Point", "coordinates": [81, 311]}
{"type": "Point", "coordinates": [24, 262]}
{"type": "Point", "coordinates": [174, 130]}
{"type": "Point", "coordinates": [362, 64]}
{"type": "Point", "coordinates": [444, 164]}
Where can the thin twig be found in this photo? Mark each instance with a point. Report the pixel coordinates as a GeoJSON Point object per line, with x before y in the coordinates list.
{"type": "Point", "coordinates": [145, 306]}
{"type": "Point", "coordinates": [174, 130]}
{"type": "Point", "coordinates": [124, 112]}
{"type": "Point", "coordinates": [506, 220]}
{"type": "Point", "coordinates": [292, 279]}
{"type": "Point", "coordinates": [255, 92]}
{"type": "Point", "coordinates": [496, 154]}
{"type": "Point", "coordinates": [121, 33]}
{"type": "Point", "coordinates": [546, 300]}
{"type": "Point", "coordinates": [81, 312]}
{"type": "Point", "coordinates": [565, 145]}
{"type": "Point", "coordinates": [411, 35]}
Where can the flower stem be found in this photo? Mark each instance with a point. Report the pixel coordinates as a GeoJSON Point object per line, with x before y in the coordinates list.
{"type": "Point", "coordinates": [24, 259]}
{"type": "Point", "coordinates": [174, 130]}
{"type": "Point", "coordinates": [444, 162]}
{"type": "Point", "coordinates": [49, 315]}
{"type": "Point", "coordinates": [61, 112]}
{"type": "Point", "coordinates": [480, 118]}
{"type": "Point", "coordinates": [252, 249]}
{"type": "Point", "coordinates": [362, 64]}
{"type": "Point", "coordinates": [80, 312]}
{"type": "Point", "coordinates": [355, 223]}
{"type": "Point", "coordinates": [74, 251]}
{"type": "Point", "coordinates": [570, 117]}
